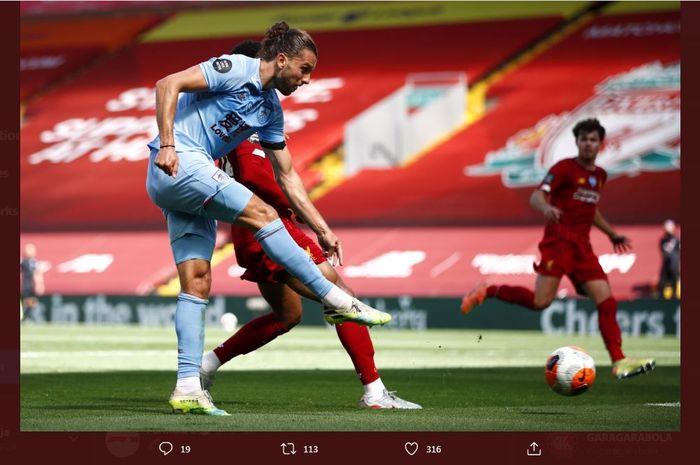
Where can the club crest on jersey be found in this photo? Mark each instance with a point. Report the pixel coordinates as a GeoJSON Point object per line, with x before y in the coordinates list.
{"type": "Point", "coordinates": [222, 65]}
{"type": "Point", "coordinates": [640, 109]}
{"type": "Point", "coordinates": [264, 114]}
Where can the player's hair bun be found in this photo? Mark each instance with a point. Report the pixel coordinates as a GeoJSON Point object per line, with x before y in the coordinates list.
{"type": "Point", "coordinates": [280, 38]}
{"type": "Point", "coordinates": [276, 30]}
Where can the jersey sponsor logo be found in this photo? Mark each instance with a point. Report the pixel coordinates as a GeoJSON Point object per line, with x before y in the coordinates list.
{"type": "Point", "coordinates": [639, 108]}
{"type": "Point", "coordinates": [592, 181]}
{"type": "Point", "coordinates": [222, 65]}
{"type": "Point", "coordinates": [223, 127]}
{"type": "Point", "coordinates": [586, 195]}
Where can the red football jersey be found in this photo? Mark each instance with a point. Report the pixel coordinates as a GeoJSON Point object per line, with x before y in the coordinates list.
{"type": "Point", "coordinates": [252, 169]}
{"type": "Point", "coordinates": [575, 191]}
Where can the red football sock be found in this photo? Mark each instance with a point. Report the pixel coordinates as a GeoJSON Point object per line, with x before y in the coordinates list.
{"type": "Point", "coordinates": [513, 294]}
{"type": "Point", "coordinates": [251, 336]}
{"type": "Point", "coordinates": [357, 343]}
{"type": "Point", "coordinates": [609, 329]}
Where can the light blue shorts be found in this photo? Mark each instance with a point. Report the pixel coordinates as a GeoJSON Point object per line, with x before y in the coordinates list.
{"type": "Point", "coordinates": [193, 201]}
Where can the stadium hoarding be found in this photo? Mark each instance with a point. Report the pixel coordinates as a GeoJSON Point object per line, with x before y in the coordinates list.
{"type": "Point", "coordinates": [421, 262]}
{"type": "Point", "coordinates": [642, 317]}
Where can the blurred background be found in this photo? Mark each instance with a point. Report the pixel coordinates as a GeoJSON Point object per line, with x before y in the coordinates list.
{"type": "Point", "coordinates": [421, 137]}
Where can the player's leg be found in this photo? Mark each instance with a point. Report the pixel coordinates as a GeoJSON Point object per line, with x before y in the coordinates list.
{"type": "Point", "coordinates": [286, 313]}
{"type": "Point", "coordinates": [202, 189]}
{"type": "Point", "coordinates": [28, 307]}
{"type": "Point", "coordinates": [192, 236]}
{"type": "Point", "coordinates": [285, 303]}
{"type": "Point", "coordinates": [545, 291]}
{"type": "Point", "coordinates": [192, 251]}
{"type": "Point", "coordinates": [556, 259]}
{"type": "Point", "coordinates": [236, 203]}
{"type": "Point", "coordinates": [358, 344]}
{"type": "Point", "coordinates": [598, 290]}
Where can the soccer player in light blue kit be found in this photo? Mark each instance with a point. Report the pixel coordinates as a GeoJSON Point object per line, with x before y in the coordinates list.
{"type": "Point", "coordinates": [203, 112]}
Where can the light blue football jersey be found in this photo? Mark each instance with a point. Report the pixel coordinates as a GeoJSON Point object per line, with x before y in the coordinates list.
{"type": "Point", "coordinates": [235, 106]}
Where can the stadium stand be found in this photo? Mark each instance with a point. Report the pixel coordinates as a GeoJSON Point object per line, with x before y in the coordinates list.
{"type": "Point", "coordinates": [95, 128]}
{"type": "Point", "coordinates": [51, 49]}
{"type": "Point", "coordinates": [435, 190]}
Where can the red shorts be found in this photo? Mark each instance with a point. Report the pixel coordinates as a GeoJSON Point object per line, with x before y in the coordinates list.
{"type": "Point", "coordinates": [574, 259]}
{"type": "Point", "coordinates": [259, 268]}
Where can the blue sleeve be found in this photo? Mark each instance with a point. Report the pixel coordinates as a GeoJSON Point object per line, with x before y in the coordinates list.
{"type": "Point", "coordinates": [225, 73]}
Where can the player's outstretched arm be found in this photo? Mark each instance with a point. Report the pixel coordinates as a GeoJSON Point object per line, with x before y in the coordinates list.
{"type": "Point", "coordinates": [620, 243]}
{"type": "Point", "coordinates": [540, 202]}
{"type": "Point", "coordinates": [293, 187]}
{"type": "Point", "coordinates": [167, 90]}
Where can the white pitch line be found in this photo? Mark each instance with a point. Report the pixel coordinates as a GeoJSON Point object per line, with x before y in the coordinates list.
{"type": "Point", "coordinates": [445, 265]}
{"type": "Point", "coordinates": [666, 404]}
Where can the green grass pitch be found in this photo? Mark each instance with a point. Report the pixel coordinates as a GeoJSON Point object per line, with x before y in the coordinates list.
{"type": "Point", "coordinates": [96, 378]}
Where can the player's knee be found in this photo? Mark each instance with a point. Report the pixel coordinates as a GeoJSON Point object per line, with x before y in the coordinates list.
{"type": "Point", "coordinates": [266, 214]}
{"type": "Point", "coordinates": [197, 283]}
{"type": "Point", "coordinates": [290, 319]}
{"type": "Point", "coordinates": [540, 303]}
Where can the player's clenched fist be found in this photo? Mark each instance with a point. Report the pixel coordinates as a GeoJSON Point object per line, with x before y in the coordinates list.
{"type": "Point", "coordinates": [167, 161]}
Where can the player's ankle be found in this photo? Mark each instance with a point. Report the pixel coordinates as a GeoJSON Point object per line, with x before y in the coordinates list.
{"type": "Point", "coordinates": [188, 383]}
{"type": "Point", "coordinates": [210, 362]}
{"type": "Point", "coordinates": [337, 298]}
{"type": "Point", "coordinates": [374, 389]}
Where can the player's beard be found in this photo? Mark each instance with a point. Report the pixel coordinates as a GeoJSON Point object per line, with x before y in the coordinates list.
{"type": "Point", "coordinates": [286, 85]}
{"type": "Point", "coordinates": [288, 88]}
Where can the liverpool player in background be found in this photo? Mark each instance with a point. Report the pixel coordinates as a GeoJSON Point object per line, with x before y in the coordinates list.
{"type": "Point", "coordinates": [283, 292]}
{"type": "Point", "coordinates": [568, 197]}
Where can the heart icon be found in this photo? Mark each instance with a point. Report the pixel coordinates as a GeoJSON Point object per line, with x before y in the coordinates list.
{"type": "Point", "coordinates": [411, 447]}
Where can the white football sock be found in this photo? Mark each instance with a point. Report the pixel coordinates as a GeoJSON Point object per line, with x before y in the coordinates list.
{"type": "Point", "coordinates": [210, 362]}
{"type": "Point", "coordinates": [188, 384]}
{"type": "Point", "coordinates": [374, 389]}
{"type": "Point", "coordinates": [337, 298]}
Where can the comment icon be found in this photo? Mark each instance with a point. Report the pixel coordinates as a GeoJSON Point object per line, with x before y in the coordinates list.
{"type": "Point", "coordinates": [165, 447]}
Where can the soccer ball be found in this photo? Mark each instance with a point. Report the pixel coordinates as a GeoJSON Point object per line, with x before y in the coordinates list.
{"type": "Point", "coordinates": [569, 371]}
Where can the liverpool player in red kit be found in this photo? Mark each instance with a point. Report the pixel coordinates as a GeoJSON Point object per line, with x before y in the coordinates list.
{"type": "Point", "coordinates": [282, 291]}
{"type": "Point", "coordinates": [568, 198]}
